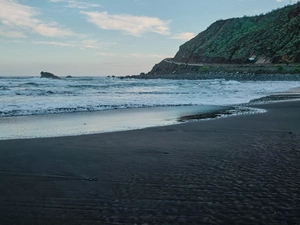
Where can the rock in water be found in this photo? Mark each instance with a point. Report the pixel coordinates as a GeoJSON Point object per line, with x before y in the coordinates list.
{"type": "Point", "coordinates": [48, 75]}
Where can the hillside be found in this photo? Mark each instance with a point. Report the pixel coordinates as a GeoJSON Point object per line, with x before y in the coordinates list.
{"type": "Point", "coordinates": [272, 38]}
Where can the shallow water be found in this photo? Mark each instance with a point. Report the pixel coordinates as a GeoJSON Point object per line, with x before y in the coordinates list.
{"type": "Point", "coordinates": [32, 107]}
{"type": "Point", "coordinates": [37, 96]}
{"type": "Point", "coordinates": [67, 124]}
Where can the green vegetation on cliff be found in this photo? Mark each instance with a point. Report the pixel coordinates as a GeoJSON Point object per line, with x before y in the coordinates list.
{"type": "Point", "coordinates": [263, 39]}
{"type": "Point", "coordinates": [274, 37]}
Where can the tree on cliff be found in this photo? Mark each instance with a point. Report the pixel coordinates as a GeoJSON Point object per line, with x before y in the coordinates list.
{"type": "Point", "coordinates": [270, 38]}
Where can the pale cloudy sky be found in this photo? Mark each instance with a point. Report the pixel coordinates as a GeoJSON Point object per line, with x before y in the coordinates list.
{"type": "Point", "coordinates": [106, 37]}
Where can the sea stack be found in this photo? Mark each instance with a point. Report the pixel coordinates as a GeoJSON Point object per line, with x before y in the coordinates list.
{"type": "Point", "coordinates": [48, 75]}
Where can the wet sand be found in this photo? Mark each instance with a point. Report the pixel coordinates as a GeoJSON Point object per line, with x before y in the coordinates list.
{"type": "Point", "coordinates": [80, 123]}
{"type": "Point", "coordinates": [236, 170]}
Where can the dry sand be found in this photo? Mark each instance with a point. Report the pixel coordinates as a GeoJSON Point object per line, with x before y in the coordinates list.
{"type": "Point", "coordinates": [237, 170]}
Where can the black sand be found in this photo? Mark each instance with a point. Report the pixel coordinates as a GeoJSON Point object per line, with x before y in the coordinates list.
{"type": "Point", "coordinates": [238, 170]}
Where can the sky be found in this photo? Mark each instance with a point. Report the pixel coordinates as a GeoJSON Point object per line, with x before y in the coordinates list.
{"type": "Point", "coordinates": [106, 37]}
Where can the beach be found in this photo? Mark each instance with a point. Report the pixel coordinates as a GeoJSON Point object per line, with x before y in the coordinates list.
{"type": "Point", "coordinates": [235, 170]}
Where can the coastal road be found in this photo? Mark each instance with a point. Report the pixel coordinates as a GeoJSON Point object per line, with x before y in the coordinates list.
{"type": "Point", "coordinates": [169, 60]}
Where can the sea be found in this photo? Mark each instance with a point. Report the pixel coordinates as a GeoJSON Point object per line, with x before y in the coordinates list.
{"type": "Point", "coordinates": [32, 107]}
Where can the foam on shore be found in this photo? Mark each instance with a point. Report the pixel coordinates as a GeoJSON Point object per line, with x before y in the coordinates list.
{"type": "Point", "coordinates": [289, 95]}
{"type": "Point", "coordinates": [70, 124]}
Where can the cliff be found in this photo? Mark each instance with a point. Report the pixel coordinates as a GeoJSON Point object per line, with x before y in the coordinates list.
{"type": "Point", "coordinates": [272, 38]}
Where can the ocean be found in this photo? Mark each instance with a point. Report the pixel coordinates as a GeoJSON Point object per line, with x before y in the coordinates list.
{"type": "Point", "coordinates": [40, 107]}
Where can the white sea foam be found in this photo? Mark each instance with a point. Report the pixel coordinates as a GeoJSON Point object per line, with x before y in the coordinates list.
{"type": "Point", "coordinates": [63, 124]}
{"type": "Point", "coordinates": [33, 107]}
{"type": "Point", "coordinates": [36, 96]}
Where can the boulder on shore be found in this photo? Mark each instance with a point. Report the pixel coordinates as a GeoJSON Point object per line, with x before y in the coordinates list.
{"type": "Point", "coordinates": [48, 75]}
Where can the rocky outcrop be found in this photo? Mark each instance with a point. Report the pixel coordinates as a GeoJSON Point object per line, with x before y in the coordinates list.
{"type": "Point", "coordinates": [48, 75]}
{"type": "Point", "coordinates": [273, 38]}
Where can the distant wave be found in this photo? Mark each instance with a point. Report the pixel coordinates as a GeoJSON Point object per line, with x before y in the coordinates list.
{"type": "Point", "coordinates": [31, 84]}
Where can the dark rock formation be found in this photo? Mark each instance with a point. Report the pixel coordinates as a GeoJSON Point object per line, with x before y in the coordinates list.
{"type": "Point", "coordinates": [48, 75]}
{"type": "Point", "coordinates": [273, 38]}
{"type": "Point", "coordinates": [69, 76]}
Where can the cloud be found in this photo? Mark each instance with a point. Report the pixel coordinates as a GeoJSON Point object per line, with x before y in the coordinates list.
{"type": "Point", "coordinates": [11, 34]}
{"type": "Point", "coordinates": [133, 25]}
{"type": "Point", "coordinates": [184, 36]}
{"type": "Point", "coordinates": [107, 54]}
{"type": "Point", "coordinates": [133, 55]}
{"type": "Point", "coordinates": [60, 44]}
{"type": "Point", "coordinates": [137, 55]}
{"type": "Point", "coordinates": [83, 45]}
{"type": "Point", "coordinates": [77, 4]}
{"type": "Point", "coordinates": [293, 1]}
{"type": "Point", "coordinates": [18, 20]}
{"type": "Point", "coordinates": [93, 44]}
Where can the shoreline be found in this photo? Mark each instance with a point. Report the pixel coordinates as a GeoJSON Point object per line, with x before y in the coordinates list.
{"type": "Point", "coordinates": [239, 72]}
{"type": "Point", "coordinates": [237, 170]}
{"type": "Point", "coordinates": [210, 75]}
{"type": "Point", "coordinates": [227, 71]}
{"type": "Point", "coordinates": [108, 121]}
{"type": "Point", "coordinates": [80, 123]}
